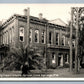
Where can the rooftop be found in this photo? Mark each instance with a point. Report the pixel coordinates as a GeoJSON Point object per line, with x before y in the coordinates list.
{"type": "Point", "coordinates": [58, 22]}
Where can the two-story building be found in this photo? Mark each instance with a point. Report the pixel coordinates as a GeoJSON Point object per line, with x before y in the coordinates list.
{"type": "Point", "coordinates": [42, 34]}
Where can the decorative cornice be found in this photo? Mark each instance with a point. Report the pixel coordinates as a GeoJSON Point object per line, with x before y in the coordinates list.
{"type": "Point", "coordinates": [33, 19]}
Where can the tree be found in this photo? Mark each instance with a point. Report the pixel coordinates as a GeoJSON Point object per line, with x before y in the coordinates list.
{"type": "Point", "coordinates": [18, 56]}
{"type": "Point", "coordinates": [81, 44]}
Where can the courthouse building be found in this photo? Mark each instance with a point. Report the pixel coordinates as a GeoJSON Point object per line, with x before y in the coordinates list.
{"type": "Point", "coordinates": [14, 31]}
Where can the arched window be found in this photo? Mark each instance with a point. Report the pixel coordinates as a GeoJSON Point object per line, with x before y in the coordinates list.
{"type": "Point", "coordinates": [21, 34]}
{"type": "Point", "coordinates": [37, 36]}
{"type": "Point", "coordinates": [30, 36]}
{"type": "Point", "coordinates": [43, 36]}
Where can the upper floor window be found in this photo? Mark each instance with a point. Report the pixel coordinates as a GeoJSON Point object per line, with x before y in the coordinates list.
{"type": "Point", "coordinates": [37, 36]}
{"type": "Point", "coordinates": [10, 35]}
{"type": "Point", "coordinates": [7, 37]}
{"type": "Point", "coordinates": [68, 43]}
{"type": "Point", "coordinates": [21, 34]}
{"type": "Point", "coordinates": [63, 40]}
{"type": "Point", "coordinates": [43, 36]}
{"type": "Point", "coordinates": [50, 37]}
{"type": "Point", "coordinates": [57, 38]}
{"type": "Point", "coordinates": [3, 38]}
{"type": "Point", "coordinates": [30, 35]}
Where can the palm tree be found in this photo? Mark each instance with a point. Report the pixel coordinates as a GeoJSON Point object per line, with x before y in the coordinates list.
{"type": "Point", "coordinates": [18, 56]}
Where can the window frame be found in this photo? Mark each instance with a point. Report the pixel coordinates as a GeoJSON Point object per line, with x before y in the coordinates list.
{"type": "Point", "coordinates": [57, 37]}
{"type": "Point", "coordinates": [43, 36]}
{"type": "Point", "coordinates": [37, 36]}
{"type": "Point", "coordinates": [21, 35]}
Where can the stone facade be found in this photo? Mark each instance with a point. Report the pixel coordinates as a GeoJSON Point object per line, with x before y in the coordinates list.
{"type": "Point", "coordinates": [57, 42]}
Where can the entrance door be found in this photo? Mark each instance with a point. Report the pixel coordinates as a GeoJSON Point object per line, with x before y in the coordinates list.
{"type": "Point", "coordinates": [60, 60]}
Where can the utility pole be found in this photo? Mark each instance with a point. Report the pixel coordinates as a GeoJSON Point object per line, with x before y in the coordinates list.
{"type": "Point", "coordinates": [77, 39]}
{"type": "Point", "coordinates": [46, 49]}
{"type": "Point", "coordinates": [28, 26]}
{"type": "Point", "coordinates": [27, 30]}
{"type": "Point", "coordinates": [71, 26]}
{"type": "Point", "coordinates": [74, 24]}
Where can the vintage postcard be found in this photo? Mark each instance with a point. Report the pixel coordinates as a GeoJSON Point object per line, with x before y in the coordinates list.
{"type": "Point", "coordinates": [41, 42]}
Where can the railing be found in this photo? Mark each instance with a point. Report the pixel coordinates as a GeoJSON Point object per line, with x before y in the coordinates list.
{"type": "Point", "coordinates": [57, 46]}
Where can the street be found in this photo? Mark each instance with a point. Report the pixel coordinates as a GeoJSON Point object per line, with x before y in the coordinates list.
{"type": "Point", "coordinates": [51, 73]}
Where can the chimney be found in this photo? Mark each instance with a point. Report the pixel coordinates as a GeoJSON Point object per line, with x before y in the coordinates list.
{"type": "Point", "coordinates": [40, 16]}
{"type": "Point", "coordinates": [25, 12]}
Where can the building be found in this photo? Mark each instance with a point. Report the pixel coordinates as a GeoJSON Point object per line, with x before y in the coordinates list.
{"type": "Point", "coordinates": [14, 31]}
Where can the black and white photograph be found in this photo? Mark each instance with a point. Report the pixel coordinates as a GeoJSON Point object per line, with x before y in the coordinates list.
{"type": "Point", "coordinates": [42, 41]}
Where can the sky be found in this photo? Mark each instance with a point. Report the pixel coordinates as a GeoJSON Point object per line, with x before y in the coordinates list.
{"type": "Point", "coordinates": [49, 11]}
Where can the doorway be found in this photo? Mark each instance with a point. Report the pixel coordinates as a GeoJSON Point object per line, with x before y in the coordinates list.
{"type": "Point", "coordinates": [60, 59]}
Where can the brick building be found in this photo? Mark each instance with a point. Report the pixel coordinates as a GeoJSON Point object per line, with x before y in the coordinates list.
{"type": "Point", "coordinates": [14, 31]}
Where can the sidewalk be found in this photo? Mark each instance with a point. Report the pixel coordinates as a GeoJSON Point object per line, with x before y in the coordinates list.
{"type": "Point", "coordinates": [50, 73]}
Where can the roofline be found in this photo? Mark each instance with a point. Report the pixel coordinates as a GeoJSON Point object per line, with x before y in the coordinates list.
{"type": "Point", "coordinates": [59, 19]}
{"type": "Point", "coordinates": [31, 17]}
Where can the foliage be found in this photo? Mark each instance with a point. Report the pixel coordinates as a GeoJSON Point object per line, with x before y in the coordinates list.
{"type": "Point", "coordinates": [18, 56]}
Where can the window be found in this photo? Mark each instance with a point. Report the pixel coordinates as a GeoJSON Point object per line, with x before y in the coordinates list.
{"type": "Point", "coordinates": [30, 37]}
{"type": "Point", "coordinates": [53, 55]}
{"type": "Point", "coordinates": [68, 42]}
{"type": "Point", "coordinates": [10, 35]}
{"type": "Point", "coordinates": [21, 34]}
{"type": "Point", "coordinates": [57, 38]}
{"type": "Point", "coordinates": [53, 58]}
{"type": "Point", "coordinates": [81, 27]}
{"type": "Point", "coordinates": [37, 36]}
{"type": "Point", "coordinates": [50, 37]}
{"type": "Point", "coordinates": [7, 37]}
{"type": "Point", "coordinates": [66, 58]}
{"type": "Point", "coordinates": [0, 39]}
{"type": "Point", "coordinates": [63, 40]}
{"type": "Point", "coordinates": [43, 36]}
{"type": "Point", "coordinates": [3, 38]}
{"type": "Point", "coordinates": [73, 43]}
